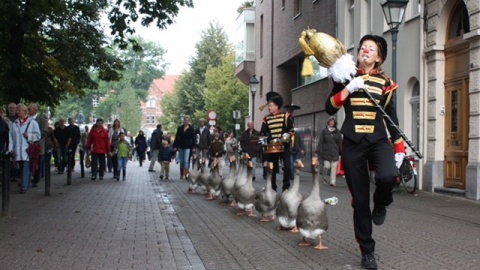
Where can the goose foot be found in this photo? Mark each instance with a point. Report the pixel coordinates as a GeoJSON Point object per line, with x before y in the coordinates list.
{"type": "Point", "coordinates": [234, 203]}
{"type": "Point", "coordinates": [273, 217]}
{"type": "Point", "coordinates": [304, 243]}
{"type": "Point", "coordinates": [240, 213]}
{"type": "Point", "coordinates": [251, 214]}
{"type": "Point", "coordinates": [320, 246]}
{"type": "Point", "coordinates": [265, 220]}
{"type": "Point", "coordinates": [210, 197]}
{"type": "Point", "coordinates": [295, 230]}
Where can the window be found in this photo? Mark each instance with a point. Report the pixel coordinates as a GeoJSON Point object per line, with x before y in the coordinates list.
{"type": "Point", "coordinates": [151, 102]}
{"type": "Point", "coordinates": [459, 22]}
{"type": "Point", "coordinates": [261, 86]}
{"type": "Point", "coordinates": [261, 36]}
{"type": "Point", "coordinates": [150, 119]}
{"type": "Point", "coordinates": [297, 8]}
{"type": "Point", "coordinates": [368, 17]}
{"type": "Point", "coordinates": [319, 72]}
{"type": "Point", "coordinates": [351, 22]}
{"type": "Point", "coordinates": [415, 120]}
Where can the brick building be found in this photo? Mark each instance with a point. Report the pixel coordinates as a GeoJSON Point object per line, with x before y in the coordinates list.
{"type": "Point", "coordinates": [151, 109]}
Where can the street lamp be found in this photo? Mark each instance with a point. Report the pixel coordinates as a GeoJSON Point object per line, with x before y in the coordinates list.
{"type": "Point", "coordinates": [394, 11]}
{"type": "Point", "coordinates": [253, 84]}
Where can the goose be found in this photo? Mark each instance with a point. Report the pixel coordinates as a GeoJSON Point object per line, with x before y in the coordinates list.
{"type": "Point", "coordinates": [245, 195]}
{"type": "Point", "coordinates": [240, 179]}
{"type": "Point", "coordinates": [194, 173]}
{"type": "Point", "coordinates": [312, 219]}
{"type": "Point", "coordinates": [267, 199]}
{"type": "Point", "coordinates": [202, 179]}
{"type": "Point", "coordinates": [289, 201]}
{"type": "Point", "coordinates": [214, 180]}
{"type": "Point", "coordinates": [228, 183]}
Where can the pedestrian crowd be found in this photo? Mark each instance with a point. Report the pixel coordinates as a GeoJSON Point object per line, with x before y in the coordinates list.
{"type": "Point", "coordinates": [28, 136]}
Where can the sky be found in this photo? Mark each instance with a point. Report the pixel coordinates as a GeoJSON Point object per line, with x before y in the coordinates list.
{"type": "Point", "coordinates": [179, 39]}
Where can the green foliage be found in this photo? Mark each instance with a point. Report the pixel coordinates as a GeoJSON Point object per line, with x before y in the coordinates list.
{"type": "Point", "coordinates": [225, 93]}
{"type": "Point", "coordinates": [246, 4]}
{"type": "Point", "coordinates": [49, 47]}
{"type": "Point", "coordinates": [210, 84]}
{"type": "Point", "coordinates": [121, 98]}
{"type": "Point", "coordinates": [190, 87]}
{"type": "Point", "coordinates": [170, 107]}
{"type": "Point", "coordinates": [129, 111]}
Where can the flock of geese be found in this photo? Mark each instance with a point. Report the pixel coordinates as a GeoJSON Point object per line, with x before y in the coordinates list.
{"type": "Point", "coordinates": [295, 213]}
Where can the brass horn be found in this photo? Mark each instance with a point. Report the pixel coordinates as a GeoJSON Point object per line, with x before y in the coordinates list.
{"type": "Point", "coordinates": [263, 106]}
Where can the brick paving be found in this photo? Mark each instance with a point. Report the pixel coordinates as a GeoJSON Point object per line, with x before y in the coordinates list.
{"type": "Point", "coordinates": [147, 223]}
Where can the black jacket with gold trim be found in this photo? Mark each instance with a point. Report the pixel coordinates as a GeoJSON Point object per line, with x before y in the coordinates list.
{"type": "Point", "coordinates": [362, 118]}
{"type": "Point", "coordinates": [274, 126]}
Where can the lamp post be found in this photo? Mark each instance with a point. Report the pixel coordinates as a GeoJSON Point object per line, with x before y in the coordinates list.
{"type": "Point", "coordinates": [394, 11]}
{"type": "Point", "coordinates": [253, 84]}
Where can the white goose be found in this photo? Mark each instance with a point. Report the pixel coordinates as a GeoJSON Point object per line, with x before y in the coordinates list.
{"type": "Point", "coordinates": [228, 183]}
{"type": "Point", "coordinates": [245, 195]}
{"type": "Point", "coordinates": [202, 179]}
{"type": "Point", "coordinates": [289, 201]}
{"type": "Point", "coordinates": [267, 199]}
{"type": "Point", "coordinates": [214, 180]}
{"type": "Point", "coordinates": [312, 219]}
{"type": "Point", "coordinates": [194, 173]}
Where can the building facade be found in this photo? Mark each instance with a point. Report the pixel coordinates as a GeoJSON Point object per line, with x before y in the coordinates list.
{"type": "Point", "coordinates": [278, 62]}
{"type": "Point", "coordinates": [437, 69]}
{"type": "Point", "coordinates": [152, 109]}
{"type": "Point", "coordinates": [452, 96]}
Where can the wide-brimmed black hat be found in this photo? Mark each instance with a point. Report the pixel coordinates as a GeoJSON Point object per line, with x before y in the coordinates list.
{"type": "Point", "coordinates": [381, 43]}
{"type": "Point", "coordinates": [292, 107]}
{"type": "Point", "coordinates": [275, 98]}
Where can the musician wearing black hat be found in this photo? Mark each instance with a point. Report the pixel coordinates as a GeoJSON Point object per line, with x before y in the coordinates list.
{"type": "Point", "coordinates": [276, 126]}
{"type": "Point", "coordinates": [365, 141]}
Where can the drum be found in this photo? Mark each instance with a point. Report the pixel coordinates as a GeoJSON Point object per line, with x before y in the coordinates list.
{"type": "Point", "coordinates": [273, 148]}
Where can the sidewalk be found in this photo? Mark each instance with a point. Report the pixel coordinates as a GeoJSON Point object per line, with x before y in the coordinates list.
{"type": "Point", "coordinates": [147, 223]}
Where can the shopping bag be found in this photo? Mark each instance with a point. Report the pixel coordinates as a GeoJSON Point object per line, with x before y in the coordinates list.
{"type": "Point", "coordinates": [340, 171]}
{"type": "Point", "coordinates": [88, 162]}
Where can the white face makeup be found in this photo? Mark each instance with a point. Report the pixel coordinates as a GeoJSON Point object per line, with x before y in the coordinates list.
{"type": "Point", "coordinates": [368, 54]}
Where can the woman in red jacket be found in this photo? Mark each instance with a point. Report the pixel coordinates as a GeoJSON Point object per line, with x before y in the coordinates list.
{"type": "Point", "coordinates": [98, 144]}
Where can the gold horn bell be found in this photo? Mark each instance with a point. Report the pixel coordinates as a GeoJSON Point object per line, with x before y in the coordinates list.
{"type": "Point", "coordinates": [263, 106]}
{"type": "Point", "coordinates": [326, 49]}
{"type": "Point", "coordinates": [329, 52]}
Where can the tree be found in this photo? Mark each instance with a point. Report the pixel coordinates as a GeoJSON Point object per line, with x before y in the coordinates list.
{"type": "Point", "coordinates": [49, 47]}
{"type": "Point", "coordinates": [221, 82]}
{"type": "Point", "coordinates": [122, 98]}
{"type": "Point", "coordinates": [130, 112]}
{"type": "Point", "coordinates": [190, 87]}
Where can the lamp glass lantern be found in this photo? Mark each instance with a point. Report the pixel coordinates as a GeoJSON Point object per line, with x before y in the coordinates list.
{"type": "Point", "coordinates": [253, 84]}
{"type": "Point", "coordinates": [394, 11]}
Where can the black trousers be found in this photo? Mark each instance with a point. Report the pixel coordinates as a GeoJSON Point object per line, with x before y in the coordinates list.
{"type": "Point", "coordinates": [98, 159]}
{"type": "Point", "coordinates": [274, 158]}
{"type": "Point", "coordinates": [355, 158]}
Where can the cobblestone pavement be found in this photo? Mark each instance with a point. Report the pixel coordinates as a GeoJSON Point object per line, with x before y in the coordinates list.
{"type": "Point", "coordinates": [148, 223]}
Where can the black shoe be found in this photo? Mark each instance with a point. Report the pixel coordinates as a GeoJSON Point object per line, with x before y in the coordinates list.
{"type": "Point", "coordinates": [378, 215]}
{"type": "Point", "coordinates": [34, 185]}
{"type": "Point", "coordinates": [93, 178]}
{"type": "Point", "coordinates": [23, 191]}
{"type": "Point", "coordinates": [368, 261]}
{"type": "Point", "coordinates": [101, 177]}
{"type": "Point", "coordinates": [161, 176]}
{"type": "Point", "coordinates": [253, 179]}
